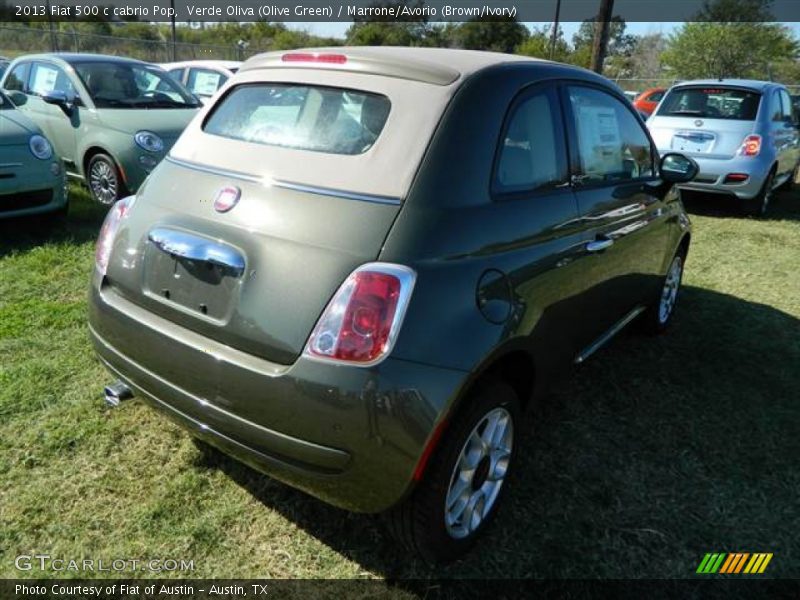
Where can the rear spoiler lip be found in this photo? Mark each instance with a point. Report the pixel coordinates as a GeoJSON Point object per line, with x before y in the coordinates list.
{"type": "Point", "coordinates": [413, 70]}
{"type": "Point", "coordinates": [289, 185]}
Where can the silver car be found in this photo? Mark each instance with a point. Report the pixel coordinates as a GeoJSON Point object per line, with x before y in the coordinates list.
{"type": "Point", "coordinates": [742, 134]}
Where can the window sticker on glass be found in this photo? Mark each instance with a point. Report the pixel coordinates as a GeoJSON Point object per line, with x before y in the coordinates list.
{"type": "Point", "coordinates": [599, 138]}
{"type": "Point", "coordinates": [44, 80]}
{"type": "Point", "coordinates": [205, 83]}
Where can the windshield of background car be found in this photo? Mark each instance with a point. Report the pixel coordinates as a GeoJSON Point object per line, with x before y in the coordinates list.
{"type": "Point", "coordinates": [302, 117]}
{"type": "Point", "coordinates": [123, 85]}
{"type": "Point", "coordinates": [711, 103]}
{"type": "Point", "coordinates": [5, 103]}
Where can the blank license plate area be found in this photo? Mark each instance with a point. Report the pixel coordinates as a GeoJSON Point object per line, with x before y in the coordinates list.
{"type": "Point", "coordinates": [199, 287]}
{"type": "Point", "coordinates": [692, 142]}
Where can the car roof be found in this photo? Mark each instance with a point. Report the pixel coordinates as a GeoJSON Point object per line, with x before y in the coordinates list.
{"type": "Point", "coordinates": [441, 66]}
{"type": "Point", "coordinates": [72, 58]}
{"type": "Point", "coordinates": [752, 84]}
{"type": "Point", "coordinates": [225, 64]}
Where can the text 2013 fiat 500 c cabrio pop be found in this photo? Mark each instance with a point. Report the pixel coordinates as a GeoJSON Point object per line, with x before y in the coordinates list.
{"type": "Point", "coordinates": [357, 266]}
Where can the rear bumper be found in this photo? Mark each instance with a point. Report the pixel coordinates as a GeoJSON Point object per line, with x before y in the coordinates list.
{"type": "Point", "coordinates": [713, 172]}
{"type": "Point", "coordinates": [349, 436]}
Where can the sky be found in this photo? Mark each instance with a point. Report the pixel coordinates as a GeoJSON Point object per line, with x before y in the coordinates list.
{"type": "Point", "coordinates": [338, 29]}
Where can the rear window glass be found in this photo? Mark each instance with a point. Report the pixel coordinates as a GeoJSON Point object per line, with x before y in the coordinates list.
{"type": "Point", "coordinates": [320, 119]}
{"type": "Point", "coordinates": [711, 103]}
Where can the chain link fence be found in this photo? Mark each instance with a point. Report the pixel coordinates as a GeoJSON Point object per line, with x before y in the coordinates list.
{"type": "Point", "coordinates": [15, 41]}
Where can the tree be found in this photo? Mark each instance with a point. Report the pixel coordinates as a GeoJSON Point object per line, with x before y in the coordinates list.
{"type": "Point", "coordinates": [620, 44]}
{"type": "Point", "coordinates": [645, 60]}
{"type": "Point", "coordinates": [403, 31]}
{"type": "Point", "coordinates": [539, 42]}
{"type": "Point", "coordinates": [503, 35]}
{"type": "Point", "coordinates": [729, 49]}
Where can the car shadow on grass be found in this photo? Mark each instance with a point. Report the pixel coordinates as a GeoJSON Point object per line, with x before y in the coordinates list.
{"type": "Point", "coordinates": [80, 225]}
{"type": "Point", "coordinates": [648, 456]}
{"type": "Point", "coordinates": [785, 206]}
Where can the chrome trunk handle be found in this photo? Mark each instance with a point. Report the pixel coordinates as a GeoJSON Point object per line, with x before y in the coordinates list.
{"type": "Point", "coordinates": [195, 248]}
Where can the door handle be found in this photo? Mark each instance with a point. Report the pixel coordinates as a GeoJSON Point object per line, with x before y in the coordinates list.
{"type": "Point", "coordinates": [599, 245]}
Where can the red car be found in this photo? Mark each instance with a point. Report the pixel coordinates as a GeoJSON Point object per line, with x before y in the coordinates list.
{"type": "Point", "coordinates": [647, 101]}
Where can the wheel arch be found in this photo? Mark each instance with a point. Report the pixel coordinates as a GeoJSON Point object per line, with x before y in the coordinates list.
{"type": "Point", "coordinates": [93, 151]}
{"type": "Point", "coordinates": [513, 364]}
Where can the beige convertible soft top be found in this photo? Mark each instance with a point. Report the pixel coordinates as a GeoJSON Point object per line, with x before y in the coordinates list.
{"type": "Point", "coordinates": [419, 82]}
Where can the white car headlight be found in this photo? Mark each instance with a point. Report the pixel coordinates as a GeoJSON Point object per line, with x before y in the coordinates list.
{"type": "Point", "coordinates": [40, 147]}
{"type": "Point", "coordinates": [147, 140]}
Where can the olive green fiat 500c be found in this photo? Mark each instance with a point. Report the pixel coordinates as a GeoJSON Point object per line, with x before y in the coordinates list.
{"type": "Point", "coordinates": [110, 119]}
{"type": "Point", "coordinates": [357, 266]}
{"type": "Point", "coordinates": [32, 180]}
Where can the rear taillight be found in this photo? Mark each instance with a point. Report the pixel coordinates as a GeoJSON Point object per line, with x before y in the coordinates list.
{"type": "Point", "coordinates": [360, 324]}
{"type": "Point", "coordinates": [109, 231]}
{"type": "Point", "coordinates": [315, 57]}
{"type": "Point", "coordinates": [751, 145]}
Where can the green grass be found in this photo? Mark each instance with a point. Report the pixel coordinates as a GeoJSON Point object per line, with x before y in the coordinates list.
{"type": "Point", "coordinates": [652, 454]}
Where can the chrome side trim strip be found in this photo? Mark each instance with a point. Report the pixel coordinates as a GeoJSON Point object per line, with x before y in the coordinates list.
{"type": "Point", "coordinates": [298, 187]}
{"type": "Point", "coordinates": [608, 335]}
{"type": "Point", "coordinates": [214, 170]}
{"type": "Point", "coordinates": [337, 193]}
{"type": "Point", "coordinates": [9, 165]}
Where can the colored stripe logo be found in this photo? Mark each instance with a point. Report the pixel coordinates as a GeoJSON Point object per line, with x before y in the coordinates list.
{"type": "Point", "coordinates": [734, 563]}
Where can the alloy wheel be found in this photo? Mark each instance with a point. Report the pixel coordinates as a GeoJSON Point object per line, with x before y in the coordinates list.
{"type": "Point", "coordinates": [669, 293]}
{"type": "Point", "coordinates": [103, 182]}
{"type": "Point", "coordinates": [767, 195]}
{"type": "Point", "coordinates": [479, 473]}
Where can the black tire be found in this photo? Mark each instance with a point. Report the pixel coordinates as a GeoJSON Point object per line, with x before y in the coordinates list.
{"type": "Point", "coordinates": [759, 205]}
{"type": "Point", "coordinates": [789, 184]}
{"type": "Point", "coordinates": [418, 523]}
{"type": "Point", "coordinates": [655, 321]}
{"type": "Point", "coordinates": [104, 180]}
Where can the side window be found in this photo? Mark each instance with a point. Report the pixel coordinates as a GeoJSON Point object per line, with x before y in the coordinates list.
{"type": "Point", "coordinates": [612, 143]}
{"type": "Point", "coordinates": [775, 108]}
{"type": "Point", "coordinates": [204, 82]}
{"type": "Point", "coordinates": [47, 78]}
{"type": "Point", "coordinates": [786, 102]}
{"type": "Point", "coordinates": [18, 78]}
{"type": "Point", "coordinates": [176, 74]}
{"type": "Point", "coordinates": [656, 96]}
{"type": "Point", "coordinates": [532, 153]}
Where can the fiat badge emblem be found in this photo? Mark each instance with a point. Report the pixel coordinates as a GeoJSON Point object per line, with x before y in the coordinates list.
{"type": "Point", "coordinates": [227, 198]}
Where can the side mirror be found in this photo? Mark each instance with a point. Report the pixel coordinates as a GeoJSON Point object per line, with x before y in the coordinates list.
{"type": "Point", "coordinates": [17, 97]}
{"type": "Point", "coordinates": [677, 168]}
{"type": "Point", "coordinates": [60, 99]}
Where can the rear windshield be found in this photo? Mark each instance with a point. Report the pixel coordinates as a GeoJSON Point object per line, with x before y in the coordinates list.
{"type": "Point", "coordinates": [321, 119]}
{"type": "Point", "coordinates": [711, 103]}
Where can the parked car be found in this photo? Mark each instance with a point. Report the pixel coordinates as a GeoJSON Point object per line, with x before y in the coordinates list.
{"type": "Point", "coordinates": [359, 297]}
{"type": "Point", "coordinates": [203, 77]}
{"type": "Point", "coordinates": [32, 180]}
{"type": "Point", "coordinates": [631, 95]}
{"type": "Point", "coordinates": [111, 119]}
{"type": "Point", "coordinates": [4, 62]}
{"type": "Point", "coordinates": [647, 101]}
{"type": "Point", "coordinates": [743, 135]}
